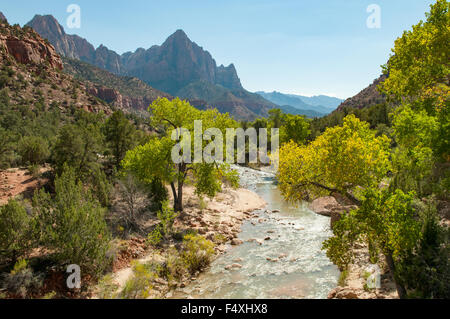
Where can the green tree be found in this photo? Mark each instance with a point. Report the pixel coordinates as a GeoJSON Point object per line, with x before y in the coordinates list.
{"type": "Point", "coordinates": [120, 135]}
{"type": "Point", "coordinates": [341, 160]}
{"type": "Point", "coordinates": [72, 224]}
{"type": "Point", "coordinates": [154, 159]}
{"type": "Point", "coordinates": [418, 72]}
{"type": "Point", "coordinates": [77, 146]}
{"type": "Point", "coordinates": [294, 128]}
{"type": "Point", "coordinates": [386, 222]}
{"type": "Point", "coordinates": [16, 230]}
{"type": "Point", "coordinates": [33, 150]}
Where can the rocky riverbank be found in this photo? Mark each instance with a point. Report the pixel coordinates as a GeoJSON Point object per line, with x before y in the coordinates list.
{"type": "Point", "coordinates": [218, 219]}
{"type": "Point", "coordinates": [353, 282]}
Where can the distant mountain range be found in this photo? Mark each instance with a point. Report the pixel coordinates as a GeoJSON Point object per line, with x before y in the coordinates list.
{"type": "Point", "coordinates": [315, 106]}
{"type": "Point", "coordinates": [179, 67]}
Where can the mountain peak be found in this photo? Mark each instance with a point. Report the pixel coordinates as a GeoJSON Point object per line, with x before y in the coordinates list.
{"type": "Point", "coordinates": [3, 18]}
{"type": "Point", "coordinates": [179, 34]}
{"type": "Point", "coordinates": [46, 22]}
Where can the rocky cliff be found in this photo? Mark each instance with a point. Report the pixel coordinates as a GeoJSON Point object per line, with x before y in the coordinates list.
{"type": "Point", "coordinates": [27, 47]}
{"type": "Point", "coordinates": [32, 74]}
{"type": "Point", "coordinates": [119, 91]}
{"type": "Point", "coordinates": [73, 46]}
{"type": "Point", "coordinates": [176, 67]}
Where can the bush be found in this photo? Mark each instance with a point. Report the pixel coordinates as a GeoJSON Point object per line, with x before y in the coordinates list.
{"type": "Point", "coordinates": [101, 187]}
{"type": "Point", "coordinates": [174, 267]}
{"type": "Point", "coordinates": [133, 199]}
{"type": "Point", "coordinates": [22, 281]}
{"type": "Point", "coordinates": [140, 286]}
{"type": "Point", "coordinates": [78, 147]}
{"type": "Point", "coordinates": [15, 230]}
{"type": "Point", "coordinates": [72, 223]}
{"type": "Point", "coordinates": [33, 150]}
{"type": "Point", "coordinates": [164, 229]}
{"type": "Point", "coordinates": [197, 252]}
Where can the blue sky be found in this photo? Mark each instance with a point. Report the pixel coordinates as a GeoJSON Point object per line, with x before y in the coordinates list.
{"type": "Point", "coordinates": [292, 46]}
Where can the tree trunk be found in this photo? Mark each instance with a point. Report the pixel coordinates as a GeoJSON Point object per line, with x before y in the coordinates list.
{"type": "Point", "coordinates": [178, 207]}
{"type": "Point", "coordinates": [400, 288]}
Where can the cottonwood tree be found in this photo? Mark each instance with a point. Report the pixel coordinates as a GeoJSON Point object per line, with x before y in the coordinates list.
{"type": "Point", "coordinates": [154, 159]}
{"type": "Point", "coordinates": [341, 160]}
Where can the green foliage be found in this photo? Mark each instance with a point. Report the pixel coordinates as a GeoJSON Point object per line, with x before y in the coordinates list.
{"type": "Point", "coordinates": [413, 160]}
{"type": "Point", "coordinates": [426, 270]}
{"type": "Point", "coordinates": [155, 237]}
{"type": "Point", "coordinates": [295, 128]}
{"type": "Point", "coordinates": [166, 217]}
{"type": "Point", "coordinates": [77, 146]}
{"type": "Point", "coordinates": [173, 268]}
{"type": "Point", "coordinates": [376, 115]}
{"type": "Point", "coordinates": [418, 67]}
{"type": "Point", "coordinates": [207, 180]}
{"type": "Point", "coordinates": [154, 159]}
{"type": "Point", "coordinates": [33, 150]}
{"type": "Point", "coordinates": [101, 187]}
{"type": "Point", "coordinates": [16, 230]}
{"type": "Point", "coordinates": [386, 222]}
{"type": "Point", "coordinates": [197, 252]}
{"type": "Point", "coordinates": [120, 135]}
{"type": "Point", "coordinates": [72, 224]}
{"type": "Point", "coordinates": [341, 160]}
{"type": "Point", "coordinates": [164, 229]}
{"type": "Point", "coordinates": [140, 286]}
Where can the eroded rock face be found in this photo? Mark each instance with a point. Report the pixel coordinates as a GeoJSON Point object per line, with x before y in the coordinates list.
{"type": "Point", "coordinates": [29, 48]}
{"type": "Point", "coordinates": [73, 46]}
{"type": "Point", "coordinates": [116, 99]}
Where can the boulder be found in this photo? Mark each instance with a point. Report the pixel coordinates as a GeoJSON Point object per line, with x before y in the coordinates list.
{"type": "Point", "coordinates": [236, 242]}
{"type": "Point", "coordinates": [324, 205]}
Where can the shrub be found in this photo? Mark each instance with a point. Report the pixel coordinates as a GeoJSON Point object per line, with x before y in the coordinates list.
{"type": "Point", "coordinates": [72, 223]}
{"type": "Point", "coordinates": [164, 229]}
{"type": "Point", "coordinates": [101, 187]}
{"type": "Point", "coordinates": [174, 267]}
{"type": "Point", "coordinates": [166, 216]}
{"type": "Point", "coordinates": [78, 147]}
{"type": "Point", "coordinates": [107, 288]}
{"type": "Point", "coordinates": [22, 281]}
{"type": "Point", "coordinates": [33, 150]}
{"type": "Point", "coordinates": [133, 199]}
{"type": "Point", "coordinates": [197, 252]}
{"type": "Point", "coordinates": [15, 230]}
{"type": "Point", "coordinates": [140, 286]}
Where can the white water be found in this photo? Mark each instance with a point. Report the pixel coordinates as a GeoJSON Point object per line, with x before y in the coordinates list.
{"type": "Point", "coordinates": [296, 232]}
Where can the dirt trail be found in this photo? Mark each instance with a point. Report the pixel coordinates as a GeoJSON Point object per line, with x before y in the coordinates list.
{"type": "Point", "coordinates": [16, 182]}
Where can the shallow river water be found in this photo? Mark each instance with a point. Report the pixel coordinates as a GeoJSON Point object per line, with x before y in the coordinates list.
{"type": "Point", "coordinates": [300, 270]}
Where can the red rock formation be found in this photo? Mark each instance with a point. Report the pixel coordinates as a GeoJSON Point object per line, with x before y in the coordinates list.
{"type": "Point", "coordinates": [29, 48]}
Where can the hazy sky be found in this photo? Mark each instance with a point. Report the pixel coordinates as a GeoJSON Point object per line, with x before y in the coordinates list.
{"type": "Point", "coordinates": [292, 46]}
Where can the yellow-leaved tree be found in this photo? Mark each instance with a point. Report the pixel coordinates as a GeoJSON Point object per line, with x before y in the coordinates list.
{"type": "Point", "coordinates": [341, 160]}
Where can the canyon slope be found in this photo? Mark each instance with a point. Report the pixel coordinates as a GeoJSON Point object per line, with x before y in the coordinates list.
{"type": "Point", "coordinates": [178, 67]}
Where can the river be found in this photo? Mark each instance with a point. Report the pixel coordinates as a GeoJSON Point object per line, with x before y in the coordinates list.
{"type": "Point", "coordinates": [297, 268]}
